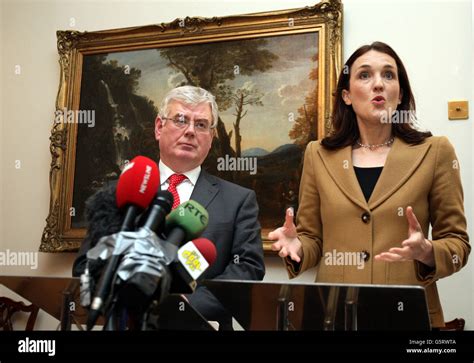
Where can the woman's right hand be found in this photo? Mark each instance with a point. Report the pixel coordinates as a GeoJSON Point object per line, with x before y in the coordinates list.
{"type": "Point", "coordinates": [287, 242]}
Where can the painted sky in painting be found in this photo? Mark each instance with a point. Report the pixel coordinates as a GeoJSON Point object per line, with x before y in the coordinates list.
{"type": "Point", "coordinates": [284, 87]}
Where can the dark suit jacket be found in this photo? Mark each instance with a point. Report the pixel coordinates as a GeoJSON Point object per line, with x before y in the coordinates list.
{"type": "Point", "coordinates": [233, 227]}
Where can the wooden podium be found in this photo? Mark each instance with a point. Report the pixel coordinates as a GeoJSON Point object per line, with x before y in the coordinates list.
{"type": "Point", "coordinates": [322, 306]}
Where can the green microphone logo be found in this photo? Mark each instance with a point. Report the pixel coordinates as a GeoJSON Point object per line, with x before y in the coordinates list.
{"type": "Point", "coordinates": [193, 208]}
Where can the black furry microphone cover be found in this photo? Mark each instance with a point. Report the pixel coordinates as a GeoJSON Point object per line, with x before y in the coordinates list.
{"type": "Point", "coordinates": [102, 214]}
{"type": "Point", "coordinates": [103, 218]}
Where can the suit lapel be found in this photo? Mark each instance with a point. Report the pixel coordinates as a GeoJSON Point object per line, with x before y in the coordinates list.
{"type": "Point", "coordinates": [339, 166]}
{"type": "Point", "coordinates": [402, 161]}
{"type": "Point", "coordinates": [205, 189]}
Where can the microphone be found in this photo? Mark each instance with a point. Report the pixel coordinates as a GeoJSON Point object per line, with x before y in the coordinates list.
{"type": "Point", "coordinates": [151, 268]}
{"type": "Point", "coordinates": [141, 282]}
{"type": "Point", "coordinates": [158, 210]}
{"type": "Point", "coordinates": [207, 249]}
{"type": "Point", "coordinates": [136, 188]}
{"type": "Point", "coordinates": [185, 223]}
{"type": "Point", "coordinates": [146, 274]}
{"type": "Point", "coordinates": [194, 258]}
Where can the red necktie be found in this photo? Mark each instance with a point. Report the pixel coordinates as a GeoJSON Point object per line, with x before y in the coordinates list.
{"type": "Point", "coordinates": [174, 180]}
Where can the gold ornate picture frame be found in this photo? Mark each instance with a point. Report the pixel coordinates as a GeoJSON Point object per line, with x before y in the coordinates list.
{"type": "Point", "coordinates": [273, 75]}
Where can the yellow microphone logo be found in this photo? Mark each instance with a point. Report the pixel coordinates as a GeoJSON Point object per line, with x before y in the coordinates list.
{"type": "Point", "coordinates": [192, 260]}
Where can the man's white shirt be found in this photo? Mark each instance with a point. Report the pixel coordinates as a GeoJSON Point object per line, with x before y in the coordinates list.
{"type": "Point", "coordinates": [185, 189]}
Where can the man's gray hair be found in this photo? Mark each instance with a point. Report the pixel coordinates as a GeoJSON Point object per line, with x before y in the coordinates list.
{"type": "Point", "coordinates": [192, 96]}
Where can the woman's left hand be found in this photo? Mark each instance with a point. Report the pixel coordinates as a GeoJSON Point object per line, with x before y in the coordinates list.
{"type": "Point", "coordinates": [415, 247]}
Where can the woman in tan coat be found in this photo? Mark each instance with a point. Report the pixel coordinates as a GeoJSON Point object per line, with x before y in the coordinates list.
{"type": "Point", "coordinates": [373, 187]}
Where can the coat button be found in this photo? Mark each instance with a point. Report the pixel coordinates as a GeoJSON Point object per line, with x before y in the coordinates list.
{"type": "Point", "coordinates": [365, 217]}
{"type": "Point", "coordinates": [365, 255]}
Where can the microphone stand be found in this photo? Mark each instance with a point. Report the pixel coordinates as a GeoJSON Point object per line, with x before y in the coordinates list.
{"type": "Point", "coordinates": [350, 308]}
{"type": "Point", "coordinates": [112, 313]}
{"type": "Point", "coordinates": [331, 308]}
{"type": "Point", "coordinates": [282, 309]}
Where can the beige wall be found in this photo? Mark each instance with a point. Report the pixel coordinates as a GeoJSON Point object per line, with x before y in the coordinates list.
{"type": "Point", "coordinates": [434, 38]}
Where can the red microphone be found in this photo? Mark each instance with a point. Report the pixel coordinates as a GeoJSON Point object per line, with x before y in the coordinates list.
{"type": "Point", "coordinates": [194, 257]}
{"type": "Point", "coordinates": [136, 188]}
{"type": "Point", "coordinates": [207, 249]}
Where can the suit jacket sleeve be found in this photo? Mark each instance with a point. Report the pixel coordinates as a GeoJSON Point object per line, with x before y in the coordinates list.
{"type": "Point", "coordinates": [308, 219]}
{"type": "Point", "coordinates": [450, 240]}
{"type": "Point", "coordinates": [246, 261]}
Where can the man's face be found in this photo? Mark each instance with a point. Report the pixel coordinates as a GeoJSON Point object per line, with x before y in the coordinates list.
{"type": "Point", "coordinates": [183, 149]}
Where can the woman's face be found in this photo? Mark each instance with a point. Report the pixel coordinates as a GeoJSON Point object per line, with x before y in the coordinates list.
{"type": "Point", "coordinates": [374, 88]}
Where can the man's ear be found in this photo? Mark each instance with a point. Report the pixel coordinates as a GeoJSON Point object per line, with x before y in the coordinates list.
{"type": "Point", "coordinates": [346, 98]}
{"type": "Point", "coordinates": [158, 127]}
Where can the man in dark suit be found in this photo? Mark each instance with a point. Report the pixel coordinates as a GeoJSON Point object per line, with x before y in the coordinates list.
{"type": "Point", "coordinates": [184, 129]}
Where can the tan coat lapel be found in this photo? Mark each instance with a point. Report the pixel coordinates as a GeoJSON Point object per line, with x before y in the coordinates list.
{"type": "Point", "coordinates": [339, 166]}
{"type": "Point", "coordinates": [401, 162]}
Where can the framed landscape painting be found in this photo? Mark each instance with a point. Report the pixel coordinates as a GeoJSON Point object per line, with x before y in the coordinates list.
{"type": "Point", "coordinates": [273, 75]}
